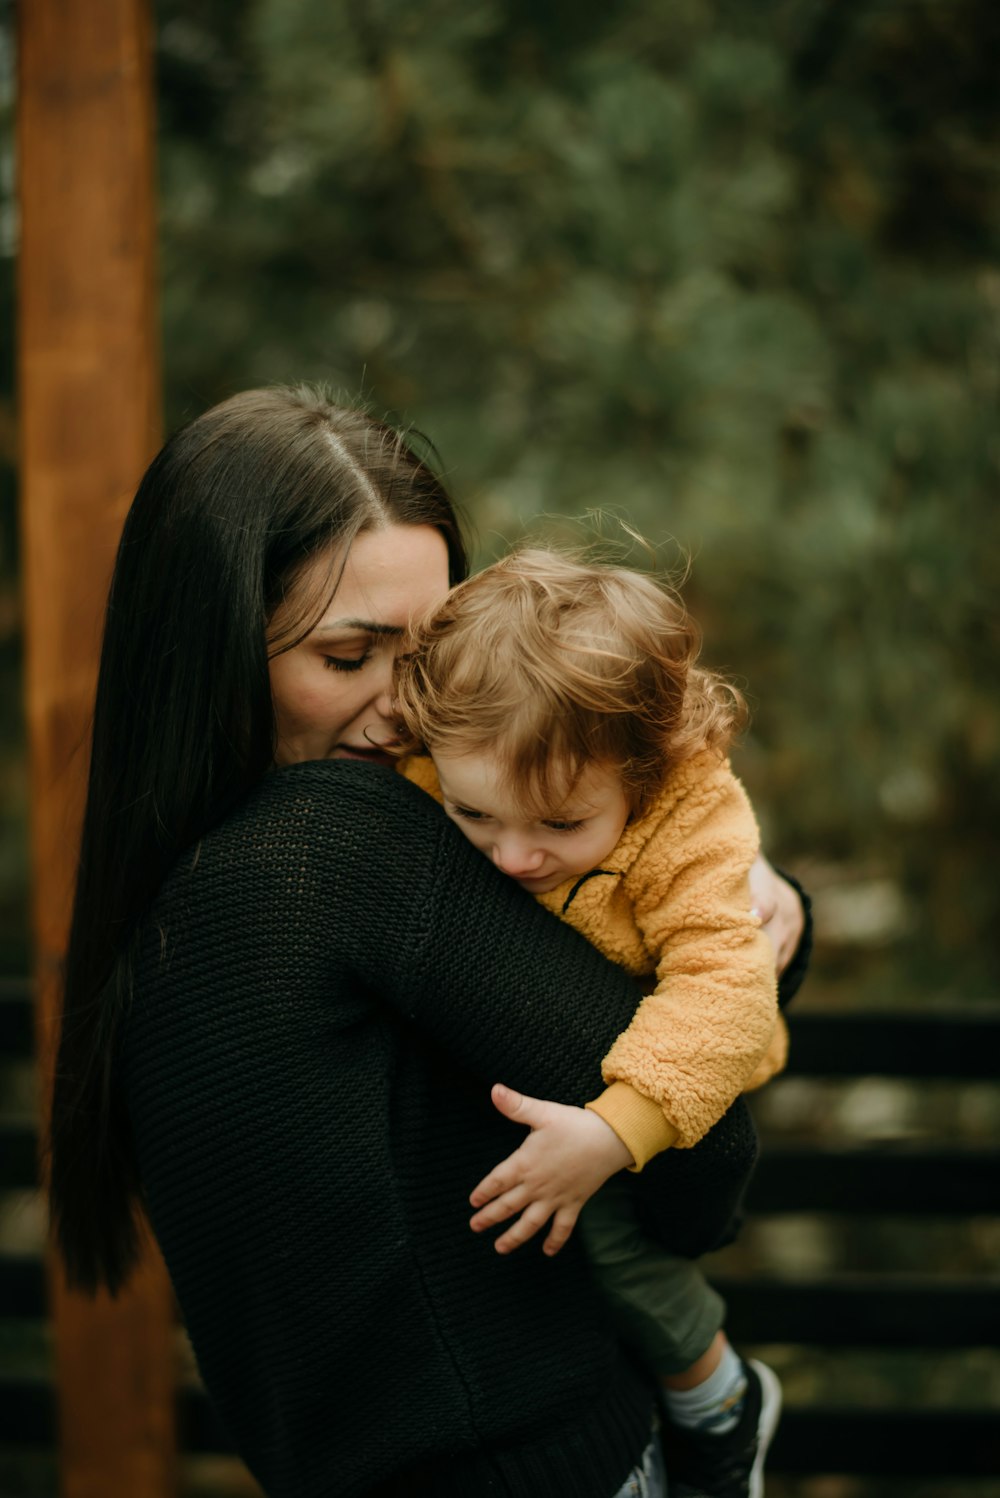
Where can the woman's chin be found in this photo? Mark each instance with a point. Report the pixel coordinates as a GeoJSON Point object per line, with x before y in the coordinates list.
{"type": "Point", "coordinates": [364, 756]}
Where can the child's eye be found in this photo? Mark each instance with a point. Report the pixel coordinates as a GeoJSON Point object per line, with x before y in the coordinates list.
{"type": "Point", "coordinates": [342, 663]}
{"type": "Point", "coordinates": [564, 826]}
{"type": "Point", "coordinates": [468, 813]}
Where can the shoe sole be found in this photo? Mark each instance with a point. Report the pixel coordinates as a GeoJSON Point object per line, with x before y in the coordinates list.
{"type": "Point", "coordinates": [770, 1414]}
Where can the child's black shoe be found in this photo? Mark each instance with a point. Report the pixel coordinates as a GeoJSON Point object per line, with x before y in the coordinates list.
{"type": "Point", "coordinates": [701, 1465]}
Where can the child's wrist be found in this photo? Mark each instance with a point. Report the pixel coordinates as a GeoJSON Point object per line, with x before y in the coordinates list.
{"type": "Point", "coordinates": [611, 1150]}
{"type": "Point", "coordinates": [638, 1121]}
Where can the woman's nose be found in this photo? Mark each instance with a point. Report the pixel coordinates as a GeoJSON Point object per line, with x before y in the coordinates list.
{"type": "Point", "coordinates": [383, 699]}
{"type": "Point", "coordinates": [517, 859]}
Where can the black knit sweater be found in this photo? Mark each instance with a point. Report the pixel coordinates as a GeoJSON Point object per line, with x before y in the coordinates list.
{"type": "Point", "coordinates": [324, 991]}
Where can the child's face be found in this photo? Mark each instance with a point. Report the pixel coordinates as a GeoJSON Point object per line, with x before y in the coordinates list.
{"type": "Point", "coordinates": [580, 829]}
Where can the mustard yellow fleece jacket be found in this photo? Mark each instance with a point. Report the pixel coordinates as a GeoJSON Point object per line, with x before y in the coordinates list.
{"type": "Point", "coordinates": [672, 903]}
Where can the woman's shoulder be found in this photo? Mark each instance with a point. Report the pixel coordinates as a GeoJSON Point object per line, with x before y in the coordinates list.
{"type": "Point", "coordinates": [305, 837]}
{"type": "Point", "coordinates": [301, 817]}
{"type": "Point", "coordinates": [336, 791]}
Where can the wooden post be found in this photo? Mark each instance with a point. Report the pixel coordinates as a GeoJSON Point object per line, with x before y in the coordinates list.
{"type": "Point", "coordinates": [89, 403]}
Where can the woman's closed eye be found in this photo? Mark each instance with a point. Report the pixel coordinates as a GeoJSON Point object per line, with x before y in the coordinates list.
{"type": "Point", "coordinates": [346, 663]}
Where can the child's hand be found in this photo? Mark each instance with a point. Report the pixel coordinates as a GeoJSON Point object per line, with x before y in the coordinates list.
{"type": "Point", "coordinates": [569, 1153]}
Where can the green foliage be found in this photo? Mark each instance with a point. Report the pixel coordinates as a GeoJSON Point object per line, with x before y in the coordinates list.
{"type": "Point", "coordinates": [729, 270]}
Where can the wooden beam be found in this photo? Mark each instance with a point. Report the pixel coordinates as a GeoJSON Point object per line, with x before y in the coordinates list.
{"type": "Point", "coordinates": [854, 1310]}
{"type": "Point", "coordinates": [959, 1042]}
{"type": "Point", "coordinates": [920, 1442]}
{"type": "Point", "coordinates": [907, 1178]}
{"type": "Point", "coordinates": [89, 402]}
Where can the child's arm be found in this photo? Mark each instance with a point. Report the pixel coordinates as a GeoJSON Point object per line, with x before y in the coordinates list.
{"type": "Point", "coordinates": [697, 1040]}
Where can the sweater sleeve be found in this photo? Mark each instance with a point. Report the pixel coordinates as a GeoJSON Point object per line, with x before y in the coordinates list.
{"type": "Point", "coordinates": [639, 1122]}
{"type": "Point", "coordinates": [699, 1037]}
{"type": "Point", "coordinates": [451, 945]}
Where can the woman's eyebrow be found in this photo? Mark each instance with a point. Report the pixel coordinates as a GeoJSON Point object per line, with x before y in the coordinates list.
{"type": "Point", "coordinates": [368, 626]}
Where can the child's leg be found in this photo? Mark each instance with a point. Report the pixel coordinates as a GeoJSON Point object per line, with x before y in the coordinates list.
{"type": "Point", "coordinates": [663, 1305]}
{"type": "Point", "coordinates": [720, 1412]}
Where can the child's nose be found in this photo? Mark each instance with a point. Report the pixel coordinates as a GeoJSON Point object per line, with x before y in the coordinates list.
{"type": "Point", "coordinates": [517, 858]}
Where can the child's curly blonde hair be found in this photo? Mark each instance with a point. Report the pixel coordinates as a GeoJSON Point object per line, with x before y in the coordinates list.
{"type": "Point", "coordinates": [549, 664]}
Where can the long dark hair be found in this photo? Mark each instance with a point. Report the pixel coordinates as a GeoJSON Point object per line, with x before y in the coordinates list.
{"type": "Point", "coordinates": [228, 512]}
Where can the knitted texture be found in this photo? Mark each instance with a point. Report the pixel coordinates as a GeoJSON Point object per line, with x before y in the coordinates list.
{"type": "Point", "coordinates": [325, 988]}
{"type": "Point", "coordinates": [324, 991]}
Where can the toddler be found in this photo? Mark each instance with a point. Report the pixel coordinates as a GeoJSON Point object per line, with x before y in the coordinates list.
{"type": "Point", "coordinates": [559, 716]}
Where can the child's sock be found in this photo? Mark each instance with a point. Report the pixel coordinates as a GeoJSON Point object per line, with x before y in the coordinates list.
{"type": "Point", "coordinates": [713, 1406]}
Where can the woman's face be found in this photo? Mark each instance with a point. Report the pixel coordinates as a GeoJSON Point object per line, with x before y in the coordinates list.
{"type": "Point", "coordinates": [332, 692]}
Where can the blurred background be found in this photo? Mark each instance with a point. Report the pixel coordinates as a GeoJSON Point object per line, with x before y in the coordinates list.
{"type": "Point", "coordinates": [729, 271]}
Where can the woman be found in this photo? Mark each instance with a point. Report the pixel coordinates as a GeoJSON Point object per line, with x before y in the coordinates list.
{"type": "Point", "coordinates": [289, 980]}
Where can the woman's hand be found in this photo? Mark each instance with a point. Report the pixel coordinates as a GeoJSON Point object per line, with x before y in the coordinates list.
{"type": "Point", "coordinates": [779, 908]}
{"type": "Point", "coordinates": [568, 1155]}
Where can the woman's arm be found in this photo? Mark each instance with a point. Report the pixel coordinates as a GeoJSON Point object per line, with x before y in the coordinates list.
{"type": "Point", "coordinates": [398, 910]}
{"type": "Point", "coordinates": [563, 1161]}
{"type": "Point", "coordinates": [414, 912]}
{"type": "Point", "coordinates": [559, 1162]}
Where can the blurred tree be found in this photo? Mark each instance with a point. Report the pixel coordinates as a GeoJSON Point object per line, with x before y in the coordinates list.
{"type": "Point", "coordinates": [13, 779]}
{"type": "Point", "coordinates": [728, 270]}
{"type": "Point", "coordinates": [732, 273]}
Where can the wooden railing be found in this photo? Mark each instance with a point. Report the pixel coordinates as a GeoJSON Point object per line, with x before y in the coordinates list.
{"type": "Point", "coordinates": [889, 1310]}
{"type": "Point", "coordinates": [882, 1311]}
